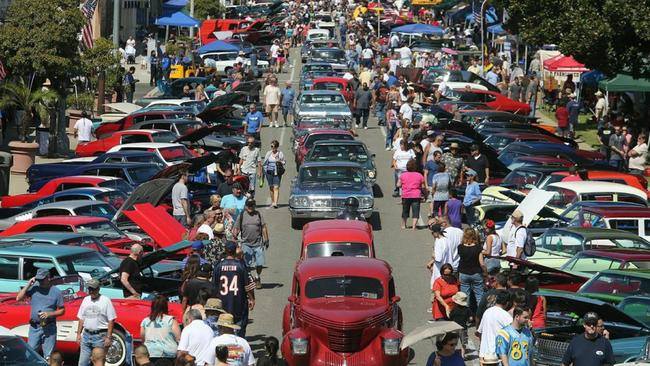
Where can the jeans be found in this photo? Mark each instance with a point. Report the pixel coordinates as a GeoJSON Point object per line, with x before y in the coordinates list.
{"type": "Point", "coordinates": [472, 283]}
{"type": "Point", "coordinates": [380, 112]}
{"type": "Point", "coordinates": [492, 264]}
{"type": "Point", "coordinates": [243, 323]}
{"type": "Point", "coordinates": [181, 219]}
{"type": "Point", "coordinates": [616, 163]}
{"type": "Point", "coordinates": [252, 181]}
{"type": "Point", "coordinates": [470, 215]}
{"type": "Point", "coordinates": [390, 133]}
{"type": "Point", "coordinates": [285, 114]}
{"type": "Point", "coordinates": [88, 342]}
{"type": "Point", "coordinates": [533, 106]}
{"type": "Point", "coordinates": [362, 113]}
{"type": "Point", "coordinates": [44, 337]}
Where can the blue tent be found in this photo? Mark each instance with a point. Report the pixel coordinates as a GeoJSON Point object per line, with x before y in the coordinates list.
{"type": "Point", "coordinates": [497, 29]}
{"type": "Point", "coordinates": [218, 46]}
{"type": "Point", "coordinates": [419, 29]}
{"type": "Point", "coordinates": [591, 77]}
{"type": "Point", "coordinates": [177, 19]}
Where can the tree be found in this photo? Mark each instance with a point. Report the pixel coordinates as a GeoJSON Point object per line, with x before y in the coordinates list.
{"type": "Point", "coordinates": [20, 97]}
{"type": "Point", "coordinates": [208, 8]}
{"type": "Point", "coordinates": [102, 65]}
{"type": "Point", "coordinates": [608, 35]}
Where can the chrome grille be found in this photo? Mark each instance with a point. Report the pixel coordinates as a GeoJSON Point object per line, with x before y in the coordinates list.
{"type": "Point", "coordinates": [550, 350]}
{"type": "Point", "coordinates": [364, 358]}
{"type": "Point", "coordinates": [344, 341]}
{"type": "Point", "coordinates": [338, 202]}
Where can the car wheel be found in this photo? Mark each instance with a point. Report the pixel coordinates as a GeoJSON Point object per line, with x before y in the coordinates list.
{"type": "Point", "coordinates": [116, 353]}
{"type": "Point", "coordinates": [296, 223]}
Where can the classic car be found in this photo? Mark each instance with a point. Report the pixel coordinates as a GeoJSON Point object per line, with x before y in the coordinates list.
{"type": "Point", "coordinates": [314, 70]}
{"type": "Point", "coordinates": [614, 285]}
{"type": "Point", "coordinates": [324, 20]}
{"type": "Point", "coordinates": [633, 219]}
{"type": "Point", "coordinates": [15, 351]}
{"type": "Point", "coordinates": [223, 62]}
{"type": "Point", "coordinates": [61, 184]}
{"type": "Point", "coordinates": [340, 85]}
{"type": "Point", "coordinates": [305, 125]}
{"type": "Point", "coordinates": [549, 278]}
{"type": "Point", "coordinates": [632, 180]}
{"type": "Point", "coordinates": [307, 46]}
{"type": "Point", "coordinates": [343, 310]}
{"type": "Point", "coordinates": [566, 193]}
{"type": "Point", "coordinates": [500, 213]}
{"type": "Point", "coordinates": [190, 132]}
{"type": "Point", "coordinates": [171, 90]}
{"type": "Point", "coordinates": [582, 158]}
{"type": "Point", "coordinates": [494, 100]}
{"type": "Point", "coordinates": [499, 141]}
{"type": "Point", "coordinates": [109, 127]}
{"type": "Point", "coordinates": [63, 208]}
{"type": "Point", "coordinates": [344, 150]}
{"type": "Point", "coordinates": [537, 161]}
{"type": "Point", "coordinates": [517, 183]}
{"type": "Point", "coordinates": [132, 173]}
{"type": "Point", "coordinates": [230, 109]}
{"type": "Point", "coordinates": [98, 147]}
{"type": "Point", "coordinates": [15, 316]}
{"type": "Point", "coordinates": [627, 324]}
{"type": "Point", "coordinates": [195, 105]}
{"type": "Point", "coordinates": [438, 75]}
{"type": "Point", "coordinates": [328, 238]}
{"type": "Point", "coordinates": [170, 153]}
{"type": "Point", "coordinates": [304, 144]}
{"type": "Point", "coordinates": [558, 245]}
{"type": "Point", "coordinates": [317, 34]}
{"type": "Point", "coordinates": [332, 56]}
{"type": "Point", "coordinates": [591, 261]}
{"type": "Point", "coordinates": [320, 190]}
{"type": "Point", "coordinates": [572, 211]}
{"type": "Point", "coordinates": [117, 111]}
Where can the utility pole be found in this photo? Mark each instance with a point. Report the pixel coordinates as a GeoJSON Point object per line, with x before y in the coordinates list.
{"type": "Point", "coordinates": [116, 23]}
{"type": "Point", "coordinates": [483, 4]}
{"type": "Point", "coordinates": [192, 15]}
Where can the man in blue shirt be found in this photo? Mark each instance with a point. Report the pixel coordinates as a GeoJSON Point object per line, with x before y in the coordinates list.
{"type": "Point", "coordinates": [492, 76]}
{"type": "Point", "coordinates": [514, 342]}
{"type": "Point", "coordinates": [234, 202]}
{"type": "Point", "coordinates": [472, 196]}
{"type": "Point", "coordinates": [253, 122]}
{"type": "Point", "coordinates": [286, 101]}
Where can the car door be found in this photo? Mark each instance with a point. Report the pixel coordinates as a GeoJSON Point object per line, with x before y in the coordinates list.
{"type": "Point", "coordinates": [10, 280]}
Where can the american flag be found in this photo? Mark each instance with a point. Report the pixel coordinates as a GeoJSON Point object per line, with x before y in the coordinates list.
{"type": "Point", "coordinates": [88, 9]}
{"type": "Point", "coordinates": [3, 71]}
{"type": "Point", "coordinates": [476, 10]}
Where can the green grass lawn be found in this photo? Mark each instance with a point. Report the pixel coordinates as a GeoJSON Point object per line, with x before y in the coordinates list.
{"type": "Point", "coordinates": [586, 131]}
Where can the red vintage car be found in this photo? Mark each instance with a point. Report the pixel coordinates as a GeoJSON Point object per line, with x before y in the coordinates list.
{"type": "Point", "coordinates": [60, 184]}
{"type": "Point", "coordinates": [108, 128]}
{"type": "Point", "coordinates": [337, 84]}
{"type": "Point", "coordinates": [15, 316]}
{"type": "Point", "coordinates": [633, 180]}
{"type": "Point", "coordinates": [343, 311]}
{"type": "Point", "coordinates": [328, 238]}
{"type": "Point", "coordinates": [115, 239]}
{"type": "Point", "coordinates": [494, 100]}
{"type": "Point", "coordinates": [307, 141]}
{"type": "Point", "coordinates": [98, 147]}
{"type": "Point", "coordinates": [549, 278]}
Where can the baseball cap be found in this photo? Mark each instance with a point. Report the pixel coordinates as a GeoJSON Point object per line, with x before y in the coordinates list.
{"type": "Point", "coordinates": [470, 173]}
{"type": "Point", "coordinates": [42, 274]}
{"type": "Point", "coordinates": [250, 202]}
{"type": "Point", "coordinates": [231, 246]}
{"type": "Point", "coordinates": [590, 318]}
{"type": "Point", "coordinates": [197, 245]}
{"type": "Point", "coordinates": [517, 214]}
{"type": "Point", "coordinates": [92, 284]}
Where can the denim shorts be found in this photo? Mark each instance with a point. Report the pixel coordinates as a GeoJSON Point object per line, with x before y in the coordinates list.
{"type": "Point", "coordinates": [273, 180]}
{"type": "Point", "coordinates": [254, 255]}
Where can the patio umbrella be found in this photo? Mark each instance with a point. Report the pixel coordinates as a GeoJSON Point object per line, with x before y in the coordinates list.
{"type": "Point", "coordinates": [429, 331]}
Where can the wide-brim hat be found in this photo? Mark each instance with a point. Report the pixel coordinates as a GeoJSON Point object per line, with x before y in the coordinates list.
{"type": "Point", "coordinates": [598, 93]}
{"type": "Point", "coordinates": [228, 321]}
{"type": "Point", "coordinates": [460, 298]}
{"type": "Point", "coordinates": [214, 304]}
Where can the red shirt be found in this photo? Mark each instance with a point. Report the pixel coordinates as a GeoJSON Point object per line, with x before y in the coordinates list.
{"type": "Point", "coordinates": [562, 116]}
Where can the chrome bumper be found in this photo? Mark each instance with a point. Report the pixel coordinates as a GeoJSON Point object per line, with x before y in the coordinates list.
{"type": "Point", "coordinates": [323, 213]}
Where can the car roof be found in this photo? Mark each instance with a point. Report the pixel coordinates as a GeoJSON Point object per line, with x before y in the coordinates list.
{"type": "Point", "coordinates": [23, 248]}
{"type": "Point", "coordinates": [598, 186]}
{"type": "Point", "coordinates": [541, 168]}
{"type": "Point", "coordinates": [341, 266]}
{"type": "Point", "coordinates": [150, 145]}
{"type": "Point", "coordinates": [320, 92]}
{"type": "Point", "coordinates": [175, 121]}
{"type": "Point", "coordinates": [339, 142]}
{"type": "Point", "coordinates": [141, 130]}
{"type": "Point", "coordinates": [331, 79]}
{"type": "Point", "coordinates": [127, 153]}
{"type": "Point", "coordinates": [118, 164]}
{"type": "Point", "coordinates": [618, 211]}
{"type": "Point", "coordinates": [49, 235]}
{"type": "Point", "coordinates": [72, 204]}
{"type": "Point", "coordinates": [337, 231]}
{"type": "Point", "coordinates": [523, 134]}
{"type": "Point", "coordinates": [85, 178]}
{"type": "Point", "coordinates": [590, 233]}
{"type": "Point", "coordinates": [316, 164]}
{"type": "Point", "coordinates": [540, 145]}
{"type": "Point", "coordinates": [63, 220]}
{"type": "Point", "coordinates": [326, 49]}
{"type": "Point", "coordinates": [84, 190]}
{"type": "Point", "coordinates": [330, 131]}
{"type": "Point", "coordinates": [619, 253]}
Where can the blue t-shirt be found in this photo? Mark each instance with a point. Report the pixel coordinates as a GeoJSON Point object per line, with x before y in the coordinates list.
{"type": "Point", "coordinates": [253, 121]}
{"type": "Point", "coordinates": [432, 168]}
{"type": "Point", "coordinates": [392, 80]}
{"type": "Point", "coordinates": [454, 360]}
{"type": "Point", "coordinates": [287, 97]}
{"type": "Point", "coordinates": [472, 193]}
{"type": "Point", "coordinates": [44, 299]}
{"type": "Point", "coordinates": [231, 279]}
{"type": "Point", "coordinates": [230, 201]}
{"type": "Point", "coordinates": [515, 344]}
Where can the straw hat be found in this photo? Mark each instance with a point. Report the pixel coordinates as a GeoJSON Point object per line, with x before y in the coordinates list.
{"type": "Point", "coordinates": [228, 321]}
{"type": "Point", "coordinates": [460, 298]}
{"type": "Point", "coordinates": [214, 304]}
{"type": "Point", "coordinates": [219, 228]}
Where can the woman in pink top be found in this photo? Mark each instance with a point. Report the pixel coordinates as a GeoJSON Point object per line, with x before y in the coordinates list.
{"type": "Point", "coordinates": [412, 183]}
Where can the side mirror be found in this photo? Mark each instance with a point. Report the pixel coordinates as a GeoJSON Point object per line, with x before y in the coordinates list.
{"type": "Point", "coordinates": [373, 155]}
{"type": "Point", "coordinates": [395, 299]}
{"type": "Point", "coordinates": [292, 299]}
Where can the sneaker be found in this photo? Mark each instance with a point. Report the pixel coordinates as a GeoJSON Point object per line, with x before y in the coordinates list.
{"type": "Point", "coordinates": [431, 321]}
{"type": "Point", "coordinates": [365, 128]}
{"type": "Point", "coordinates": [388, 149]}
{"type": "Point", "coordinates": [356, 125]}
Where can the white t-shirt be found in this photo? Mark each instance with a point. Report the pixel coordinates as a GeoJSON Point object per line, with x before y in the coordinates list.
{"type": "Point", "coordinates": [402, 157]}
{"type": "Point", "coordinates": [454, 237]}
{"type": "Point", "coordinates": [84, 129]}
{"type": "Point", "coordinates": [392, 65]}
{"type": "Point", "coordinates": [96, 314]}
{"type": "Point", "coordinates": [195, 338]}
{"type": "Point", "coordinates": [394, 41]}
{"type": "Point", "coordinates": [440, 257]}
{"type": "Point", "coordinates": [239, 351]}
{"type": "Point", "coordinates": [366, 53]}
{"type": "Point", "coordinates": [516, 239]}
{"type": "Point", "coordinates": [406, 111]}
{"type": "Point", "coordinates": [272, 95]}
{"type": "Point", "coordinates": [638, 162]}
{"type": "Point", "coordinates": [274, 50]}
{"type": "Point", "coordinates": [493, 320]}
{"type": "Point", "coordinates": [206, 229]}
{"type": "Point", "coordinates": [405, 56]}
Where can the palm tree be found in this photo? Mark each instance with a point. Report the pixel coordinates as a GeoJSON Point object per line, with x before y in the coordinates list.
{"type": "Point", "coordinates": [19, 96]}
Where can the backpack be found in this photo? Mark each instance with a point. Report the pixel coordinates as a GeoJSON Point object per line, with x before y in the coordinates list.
{"type": "Point", "coordinates": [529, 243]}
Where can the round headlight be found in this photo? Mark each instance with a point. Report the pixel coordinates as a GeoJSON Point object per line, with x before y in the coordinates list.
{"type": "Point", "coordinates": [371, 174]}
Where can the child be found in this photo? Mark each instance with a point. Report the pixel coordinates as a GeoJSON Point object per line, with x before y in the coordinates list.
{"type": "Point", "coordinates": [454, 209]}
{"type": "Point", "coordinates": [460, 314]}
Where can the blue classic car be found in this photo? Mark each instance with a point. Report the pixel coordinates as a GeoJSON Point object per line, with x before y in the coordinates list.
{"type": "Point", "coordinates": [628, 325]}
{"type": "Point", "coordinates": [320, 190]}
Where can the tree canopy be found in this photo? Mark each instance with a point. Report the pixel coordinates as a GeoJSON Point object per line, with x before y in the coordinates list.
{"type": "Point", "coordinates": [208, 8]}
{"type": "Point", "coordinates": [612, 36]}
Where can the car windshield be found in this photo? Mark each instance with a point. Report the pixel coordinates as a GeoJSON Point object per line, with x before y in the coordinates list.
{"type": "Point", "coordinates": [175, 153]}
{"type": "Point", "coordinates": [96, 210]}
{"type": "Point", "coordinates": [551, 178]}
{"type": "Point", "coordinates": [637, 308]}
{"type": "Point", "coordinates": [324, 18]}
{"type": "Point", "coordinates": [522, 178]}
{"type": "Point", "coordinates": [508, 157]}
{"type": "Point", "coordinates": [348, 286]}
{"type": "Point", "coordinates": [114, 198]}
{"type": "Point", "coordinates": [331, 174]}
{"type": "Point", "coordinates": [195, 105]}
{"type": "Point", "coordinates": [148, 158]}
{"type": "Point", "coordinates": [142, 174]}
{"type": "Point", "coordinates": [88, 242]}
{"type": "Point", "coordinates": [560, 241]}
{"type": "Point", "coordinates": [184, 128]}
{"type": "Point", "coordinates": [15, 352]}
{"type": "Point", "coordinates": [328, 54]}
{"type": "Point", "coordinates": [617, 284]}
{"type": "Point", "coordinates": [354, 153]}
{"type": "Point", "coordinates": [499, 142]}
{"type": "Point", "coordinates": [311, 140]}
{"type": "Point", "coordinates": [322, 99]}
{"type": "Point", "coordinates": [561, 197]}
{"type": "Point", "coordinates": [328, 85]}
{"type": "Point", "coordinates": [92, 263]}
{"type": "Point", "coordinates": [587, 219]}
{"type": "Point", "coordinates": [164, 137]}
{"type": "Point", "coordinates": [102, 230]}
{"type": "Point", "coordinates": [118, 184]}
{"type": "Point", "coordinates": [317, 68]}
{"type": "Point", "coordinates": [436, 76]}
{"type": "Point", "coordinates": [329, 249]}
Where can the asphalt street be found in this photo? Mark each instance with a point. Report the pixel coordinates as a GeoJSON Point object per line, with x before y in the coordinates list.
{"type": "Point", "coordinates": [407, 251]}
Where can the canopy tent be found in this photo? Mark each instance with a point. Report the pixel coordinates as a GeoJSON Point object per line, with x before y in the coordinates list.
{"type": "Point", "coordinates": [497, 29]}
{"type": "Point", "coordinates": [419, 29]}
{"type": "Point", "coordinates": [177, 19]}
{"type": "Point", "coordinates": [624, 83]}
{"type": "Point", "coordinates": [175, 3]}
{"type": "Point", "coordinates": [217, 46]}
{"type": "Point", "coordinates": [591, 77]}
{"type": "Point", "coordinates": [561, 63]}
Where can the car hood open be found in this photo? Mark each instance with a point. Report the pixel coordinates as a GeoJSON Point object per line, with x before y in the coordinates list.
{"type": "Point", "coordinates": [193, 165]}
{"type": "Point", "coordinates": [198, 134]}
{"type": "Point", "coordinates": [580, 305]}
{"type": "Point", "coordinates": [151, 192]}
{"type": "Point", "coordinates": [541, 268]}
{"type": "Point", "coordinates": [345, 312]}
{"type": "Point", "coordinates": [159, 255]}
{"type": "Point", "coordinates": [157, 223]}
{"type": "Point", "coordinates": [221, 105]}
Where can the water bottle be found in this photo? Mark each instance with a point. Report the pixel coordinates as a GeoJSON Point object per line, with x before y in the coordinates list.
{"type": "Point", "coordinates": [43, 321]}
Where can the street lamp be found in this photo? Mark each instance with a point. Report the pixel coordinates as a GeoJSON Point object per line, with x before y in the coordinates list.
{"type": "Point", "coordinates": [483, 4]}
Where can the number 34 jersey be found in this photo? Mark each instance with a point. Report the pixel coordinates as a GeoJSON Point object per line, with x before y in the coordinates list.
{"type": "Point", "coordinates": [232, 281]}
{"type": "Point", "coordinates": [516, 344]}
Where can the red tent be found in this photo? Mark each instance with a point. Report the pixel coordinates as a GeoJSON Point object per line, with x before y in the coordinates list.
{"type": "Point", "coordinates": [561, 63]}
